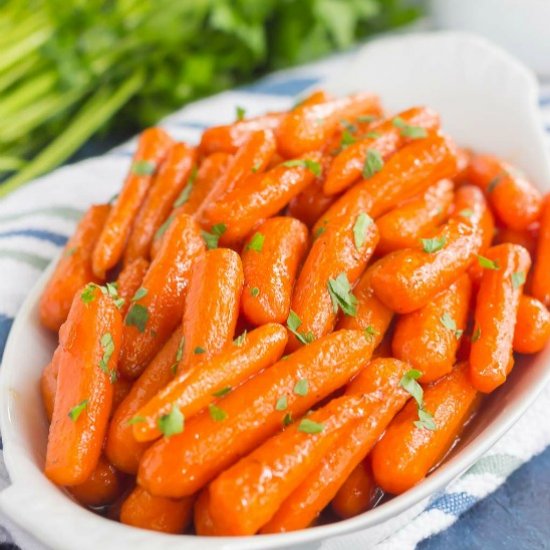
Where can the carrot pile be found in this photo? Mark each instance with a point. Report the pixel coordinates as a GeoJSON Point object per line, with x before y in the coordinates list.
{"type": "Point", "coordinates": [274, 328]}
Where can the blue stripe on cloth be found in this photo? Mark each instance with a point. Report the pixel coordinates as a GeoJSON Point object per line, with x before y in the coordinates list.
{"type": "Point", "coordinates": [545, 100]}
{"type": "Point", "coordinates": [39, 234]}
{"type": "Point", "coordinates": [5, 326]}
{"type": "Point", "coordinates": [453, 503]}
{"type": "Point", "coordinates": [290, 87]}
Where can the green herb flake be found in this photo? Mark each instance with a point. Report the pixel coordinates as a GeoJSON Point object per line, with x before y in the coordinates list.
{"type": "Point", "coordinates": [301, 387]}
{"type": "Point", "coordinates": [409, 383]}
{"type": "Point", "coordinates": [171, 423]}
{"type": "Point", "coordinates": [373, 163]}
{"type": "Point", "coordinates": [425, 420]}
{"type": "Point", "coordinates": [222, 392]}
{"type": "Point", "coordinates": [476, 335]}
{"type": "Point", "coordinates": [282, 403]}
{"type": "Point", "coordinates": [136, 420]}
{"type": "Point", "coordinates": [211, 239]}
{"type": "Point", "coordinates": [362, 223]}
{"type": "Point", "coordinates": [373, 135]}
{"type": "Point", "coordinates": [449, 323]}
{"type": "Point", "coordinates": [240, 340]}
{"type": "Point", "coordinates": [217, 414]}
{"type": "Point", "coordinates": [370, 333]}
{"type": "Point", "coordinates": [287, 419]}
{"type": "Point", "coordinates": [365, 119]}
{"type": "Point", "coordinates": [137, 316]}
{"type": "Point", "coordinates": [164, 227]}
{"type": "Point", "coordinates": [88, 293]}
{"type": "Point", "coordinates": [198, 350]}
{"type": "Point", "coordinates": [256, 242]}
{"type": "Point", "coordinates": [184, 195]}
{"type": "Point", "coordinates": [77, 410]}
{"type": "Point", "coordinates": [108, 346]}
{"type": "Point", "coordinates": [143, 168]}
{"type": "Point", "coordinates": [466, 213]}
{"type": "Point", "coordinates": [346, 141]}
{"type": "Point", "coordinates": [240, 112]}
{"type": "Point", "coordinates": [518, 279]}
{"type": "Point", "coordinates": [293, 323]}
{"type": "Point", "coordinates": [256, 167]}
{"type": "Point", "coordinates": [340, 293]}
{"type": "Point", "coordinates": [494, 182]}
{"type": "Point", "coordinates": [319, 231]}
{"type": "Point", "coordinates": [433, 245]}
{"type": "Point", "coordinates": [313, 166]}
{"type": "Point", "coordinates": [486, 263]}
{"type": "Point", "coordinates": [406, 130]}
{"type": "Point", "coordinates": [309, 426]}
{"type": "Point", "coordinates": [348, 126]}
{"type": "Point", "coordinates": [179, 355]}
{"type": "Point", "coordinates": [140, 293]}
{"type": "Point", "coordinates": [254, 291]}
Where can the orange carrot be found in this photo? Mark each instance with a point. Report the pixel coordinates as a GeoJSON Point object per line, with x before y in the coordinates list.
{"type": "Point", "coordinates": [524, 237]}
{"type": "Point", "coordinates": [385, 138]}
{"type": "Point", "coordinates": [89, 347]}
{"type": "Point", "coordinates": [271, 257]}
{"type": "Point", "coordinates": [540, 286]}
{"type": "Point", "coordinates": [213, 440]}
{"type": "Point", "coordinates": [157, 307]}
{"type": "Point", "coordinates": [495, 315]}
{"type": "Point", "coordinates": [428, 338]}
{"type": "Point", "coordinates": [74, 268]}
{"type": "Point", "coordinates": [195, 389]}
{"type": "Point", "coordinates": [101, 488]}
{"type": "Point", "coordinates": [311, 203]}
{"type": "Point", "coordinates": [532, 330]}
{"type": "Point", "coordinates": [167, 185]}
{"type": "Point", "coordinates": [408, 451]}
{"type": "Point", "coordinates": [129, 281]}
{"type": "Point", "coordinates": [167, 515]}
{"type": "Point", "coordinates": [121, 448]}
{"type": "Point", "coordinates": [358, 493]}
{"type": "Point", "coordinates": [153, 146]}
{"type": "Point", "coordinates": [48, 384]}
{"type": "Point", "coordinates": [204, 524]}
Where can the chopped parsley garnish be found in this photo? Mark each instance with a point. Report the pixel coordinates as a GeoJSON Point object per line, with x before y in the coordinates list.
{"type": "Point", "coordinates": [370, 332]}
{"type": "Point", "coordinates": [254, 291]}
{"type": "Point", "coordinates": [77, 410]}
{"type": "Point", "coordinates": [319, 231]}
{"type": "Point", "coordinates": [88, 294]}
{"type": "Point", "coordinates": [449, 323]}
{"type": "Point", "coordinates": [217, 414]}
{"type": "Point", "coordinates": [362, 223]}
{"type": "Point", "coordinates": [348, 126]}
{"type": "Point", "coordinates": [198, 350]}
{"type": "Point", "coordinates": [494, 182]}
{"type": "Point", "coordinates": [137, 316]}
{"type": "Point", "coordinates": [256, 242]}
{"type": "Point", "coordinates": [211, 239]}
{"type": "Point", "coordinates": [518, 279]}
{"type": "Point", "coordinates": [410, 385]}
{"type": "Point", "coordinates": [347, 140]}
{"type": "Point", "coordinates": [407, 130]}
{"type": "Point", "coordinates": [171, 423]}
{"type": "Point", "coordinates": [313, 166]}
{"type": "Point", "coordinates": [179, 355]}
{"type": "Point", "coordinates": [309, 426]}
{"type": "Point", "coordinates": [301, 387]}
{"type": "Point", "coordinates": [373, 135]}
{"type": "Point", "coordinates": [373, 163]}
{"type": "Point", "coordinates": [240, 112]}
{"type": "Point", "coordinates": [466, 213]}
{"type": "Point", "coordinates": [340, 293]}
{"type": "Point", "coordinates": [222, 392]}
{"type": "Point", "coordinates": [240, 340]}
{"type": "Point", "coordinates": [486, 263]}
{"type": "Point", "coordinates": [287, 420]}
{"type": "Point", "coordinates": [476, 335]}
{"type": "Point", "coordinates": [433, 245]}
{"type": "Point", "coordinates": [366, 118]}
{"type": "Point", "coordinates": [293, 323]}
{"type": "Point", "coordinates": [143, 168]}
{"type": "Point", "coordinates": [140, 293]}
{"type": "Point", "coordinates": [282, 403]}
{"type": "Point", "coordinates": [108, 346]}
{"type": "Point", "coordinates": [111, 290]}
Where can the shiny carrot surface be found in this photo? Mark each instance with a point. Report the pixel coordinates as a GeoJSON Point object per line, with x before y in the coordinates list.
{"type": "Point", "coordinates": [540, 286]}
{"type": "Point", "coordinates": [532, 330]}
{"type": "Point", "coordinates": [358, 493]}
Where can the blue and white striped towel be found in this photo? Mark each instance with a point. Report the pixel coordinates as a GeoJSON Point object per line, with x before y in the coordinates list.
{"type": "Point", "coordinates": [36, 221]}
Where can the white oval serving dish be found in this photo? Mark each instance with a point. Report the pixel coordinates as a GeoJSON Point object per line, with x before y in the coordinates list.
{"type": "Point", "coordinates": [488, 101]}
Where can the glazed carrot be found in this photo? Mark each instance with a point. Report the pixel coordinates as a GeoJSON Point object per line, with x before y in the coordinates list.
{"type": "Point", "coordinates": [540, 286]}
{"type": "Point", "coordinates": [211, 307]}
{"type": "Point", "coordinates": [314, 98]}
{"type": "Point", "coordinates": [386, 138]}
{"type": "Point", "coordinates": [182, 464]}
{"type": "Point", "coordinates": [101, 488]}
{"type": "Point", "coordinates": [167, 185]}
{"type": "Point", "coordinates": [409, 279]}
{"type": "Point", "coordinates": [260, 196]}
{"type": "Point", "coordinates": [74, 268]}
{"type": "Point", "coordinates": [193, 194]}
{"type": "Point", "coordinates": [129, 281]}
{"type": "Point", "coordinates": [405, 225]}
{"type": "Point", "coordinates": [336, 259]}
{"type": "Point", "coordinates": [358, 493]}
{"type": "Point", "coordinates": [524, 237]}
{"type": "Point", "coordinates": [229, 138]}
{"type": "Point", "coordinates": [202, 518]}
{"type": "Point", "coordinates": [247, 495]}
{"type": "Point", "coordinates": [532, 330]}
{"type": "Point", "coordinates": [307, 127]}
{"type": "Point", "coordinates": [121, 447]}
{"type": "Point", "coordinates": [410, 171]}
{"type": "Point", "coordinates": [407, 452]}
{"type": "Point", "coordinates": [428, 338]}
{"type": "Point", "coordinates": [310, 204]}
{"type": "Point", "coordinates": [380, 383]}
{"type": "Point", "coordinates": [167, 515]}
{"type": "Point", "coordinates": [48, 384]}
{"type": "Point", "coordinates": [121, 388]}
{"type": "Point", "coordinates": [90, 343]}
{"type": "Point", "coordinates": [373, 317]}
{"type": "Point", "coordinates": [516, 202]}
{"type": "Point", "coordinates": [271, 257]}
{"type": "Point", "coordinates": [158, 305]}
{"type": "Point", "coordinates": [495, 315]}
{"type": "Point", "coordinates": [153, 146]}
{"type": "Point", "coordinates": [252, 157]}
{"type": "Point", "coordinates": [195, 389]}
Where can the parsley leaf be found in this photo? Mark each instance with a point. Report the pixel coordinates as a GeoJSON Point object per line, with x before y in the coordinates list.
{"type": "Point", "coordinates": [240, 112]}
{"type": "Point", "coordinates": [309, 426]}
{"type": "Point", "coordinates": [163, 228]}
{"type": "Point", "coordinates": [136, 420]}
{"type": "Point", "coordinates": [518, 279]}
{"type": "Point", "coordinates": [319, 231]}
{"type": "Point", "coordinates": [179, 355]}
{"type": "Point", "coordinates": [486, 263]}
{"type": "Point", "coordinates": [282, 403]}
{"type": "Point", "coordinates": [171, 423]}
{"type": "Point", "coordinates": [254, 291]}
{"type": "Point", "coordinates": [373, 135]}
{"type": "Point", "coordinates": [313, 166]}
{"type": "Point", "coordinates": [217, 414]}
{"type": "Point", "coordinates": [77, 410]}
{"type": "Point", "coordinates": [409, 383]}
{"type": "Point", "coordinates": [88, 293]}
{"type": "Point", "coordinates": [406, 130]}
{"type": "Point", "coordinates": [111, 290]}
{"type": "Point", "coordinates": [108, 345]}
{"type": "Point", "coordinates": [347, 140]}
{"type": "Point", "coordinates": [287, 420]}
{"type": "Point", "coordinates": [370, 332]}
{"type": "Point", "coordinates": [140, 293]}
{"type": "Point", "coordinates": [362, 223]}
{"type": "Point", "coordinates": [143, 168]}
{"type": "Point", "coordinates": [425, 420]}
{"type": "Point", "coordinates": [301, 387]}
{"type": "Point", "coordinates": [222, 391]}
{"type": "Point", "coordinates": [373, 163]}
{"type": "Point", "coordinates": [256, 242]}
{"type": "Point", "coordinates": [198, 350]}
{"type": "Point", "coordinates": [433, 245]}
{"type": "Point", "coordinates": [293, 323]}
{"type": "Point", "coordinates": [466, 213]}
{"type": "Point", "coordinates": [239, 341]}
{"type": "Point", "coordinates": [348, 125]}
{"type": "Point", "coordinates": [494, 182]}
{"type": "Point", "coordinates": [449, 323]}
{"type": "Point", "coordinates": [340, 293]}
{"type": "Point", "coordinates": [366, 118]}
{"type": "Point", "coordinates": [211, 239]}
{"type": "Point", "coordinates": [137, 316]}
{"type": "Point", "coordinates": [476, 335]}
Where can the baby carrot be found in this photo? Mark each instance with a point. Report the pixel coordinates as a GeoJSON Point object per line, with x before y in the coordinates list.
{"type": "Point", "coordinates": [211, 307]}
{"type": "Point", "coordinates": [167, 515]}
{"type": "Point", "coordinates": [335, 261]}
{"type": "Point", "coordinates": [101, 488]}
{"type": "Point", "coordinates": [74, 268]}
{"type": "Point", "coordinates": [121, 447]}
{"type": "Point", "coordinates": [243, 419]}
{"type": "Point", "coordinates": [89, 347]}
{"type": "Point", "coordinates": [515, 200]}
{"type": "Point", "coordinates": [524, 237]}
{"type": "Point", "coordinates": [540, 286]}
{"type": "Point", "coordinates": [410, 171]}
{"type": "Point", "coordinates": [129, 281]}
{"type": "Point", "coordinates": [532, 330]}
{"type": "Point", "coordinates": [310, 204]}
{"type": "Point", "coordinates": [260, 196]}
{"type": "Point", "coordinates": [495, 315]}
{"type": "Point", "coordinates": [195, 389]}
{"type": "Point", "coordinates": [358, 493]}
{"type": "Point", "coordinates": [405, 225]}
{"type": "Point", "coordinates": [172, 177]}
{"type": "Point", "coordinates": [386, 138]}
{"type": "Point", "coordinates": [271, 257]}
{"type": "Point", "coordinates": [202, 518]}
{"type": "Point", "coordinates": [153, 146]}
{"type": "Point", "coordinates": [379, 382]}
{"type": "Point", "coordinates": [408, 451]}
{"type": "Point", "coordinates": [121, 388]}
{"type": "Point", "coordinates": [157, 307]}
{"type": "Point", "coordinates": [428, 338]}
{"type": "Point", "coordinates": [307, 127]}
{"type": "Point", "coordinates": [409, 279]}
{"type": "Point", "coordinates": [372, 316]}
{"type": "Point", "coordinates": [193, 194]}
{"type": "Point", "coordinates": [48, 384]}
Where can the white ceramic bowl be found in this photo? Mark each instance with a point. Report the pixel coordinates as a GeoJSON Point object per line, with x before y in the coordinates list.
{"type": "Point", "coordinates": [488, 101]}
